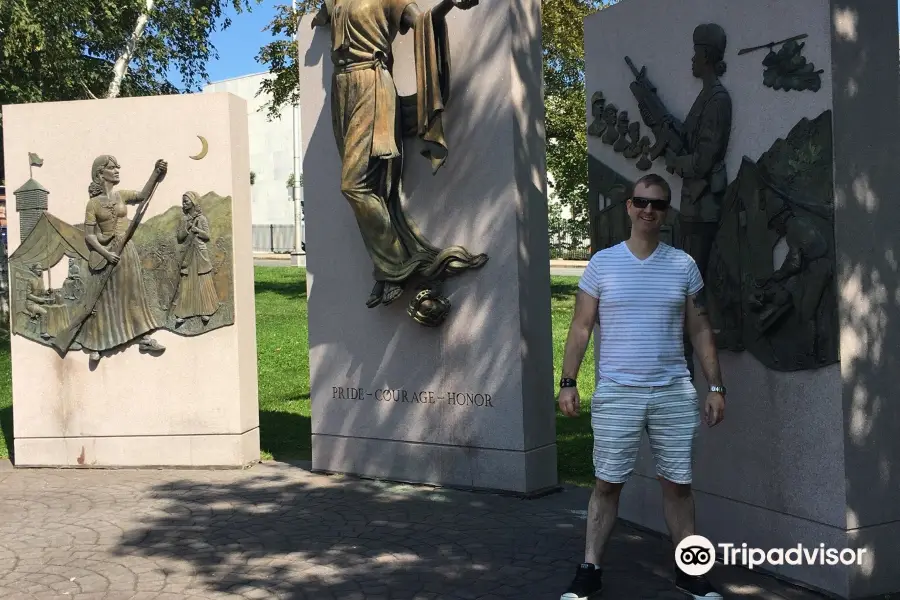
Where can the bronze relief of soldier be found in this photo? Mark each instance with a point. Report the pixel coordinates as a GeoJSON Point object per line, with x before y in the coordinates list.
{"type": "Point", "coordinates": [700, 158]}
{"type": "Point", "coordinates": [705, 133]}
{"type": "Point", "coordinates": [369, 120]}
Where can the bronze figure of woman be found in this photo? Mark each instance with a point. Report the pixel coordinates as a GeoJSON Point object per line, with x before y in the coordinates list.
{"type": "Point", "coordinates": [122, 312]}
{"type": "Point", "coordinates": [197, 292]}
{"type": "Point", "coordinates": [369, 120]}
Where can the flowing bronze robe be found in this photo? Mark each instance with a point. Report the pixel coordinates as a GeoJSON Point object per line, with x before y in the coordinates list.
{"type": "Point", "coordinates": [123, 312]}
{"type": "Point", "coordinates": [197, 295]}
{"type": "Point", "coordinates": [369, 120]}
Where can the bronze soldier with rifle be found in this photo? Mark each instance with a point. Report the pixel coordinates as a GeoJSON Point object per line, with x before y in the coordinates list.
{"type": "Point", "coordinates": [695, 149]}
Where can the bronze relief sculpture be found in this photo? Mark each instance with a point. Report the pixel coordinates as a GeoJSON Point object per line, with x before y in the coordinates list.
{"type": "Point", "coordinates": [126, 278]}
{"type": "Point", "coordinates": [370, 120]}
{"type": "Point", "coordinates": [197, 295]}
{"type": "Point", "coordinates": [117, 310]}
{"type": "Point", "coordinates": [786, 316]}
{"type": "Point", "coordinates": [613, 127]}
{"type": "Point", "coordinates": [787, 69]}
{"type": "Point", "coordinates": [705, 134]}
{"type": "Point", "coordinates": [694, 149]}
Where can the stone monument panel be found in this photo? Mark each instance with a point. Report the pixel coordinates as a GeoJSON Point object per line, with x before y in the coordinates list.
{"type": "Point", "coordinates": [768, 119]}
{"type": "Point", "coordinates": [132, 308]}
{"type": "Point", "coordinates": [468, 402]}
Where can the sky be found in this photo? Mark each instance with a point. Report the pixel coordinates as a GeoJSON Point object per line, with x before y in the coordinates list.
{"type": "Point", "coordinates": [240, 43]}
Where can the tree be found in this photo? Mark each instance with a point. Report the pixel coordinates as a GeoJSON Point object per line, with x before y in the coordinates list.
{"type": "Point", "coordinates": [78, 49]}
{"type": "Point", "coordinates": [566, 106]}
{"type": "Point", "coordinates": [564, 93]}
{"type": "Point", "coordinates": [280, 56]}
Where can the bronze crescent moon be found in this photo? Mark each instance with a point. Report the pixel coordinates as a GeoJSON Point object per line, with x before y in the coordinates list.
{"type": "Point", "coordinates": [204, 150]}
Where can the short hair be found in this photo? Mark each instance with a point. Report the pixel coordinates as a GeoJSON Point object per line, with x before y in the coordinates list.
{"type": "Point", "coordinates": [652, 179]}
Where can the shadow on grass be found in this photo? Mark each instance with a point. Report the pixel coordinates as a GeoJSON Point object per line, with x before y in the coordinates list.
{"type": "Point", "coordinates": [563, 288]}
{"type": "Point", "coordinates": [290, 283]}
{"type": "Point", "coordinates": [286, 435]}
{"type": "Point", "coordinates": [290, 289]}
{"type": "Point", "coordinates": [6, 426]}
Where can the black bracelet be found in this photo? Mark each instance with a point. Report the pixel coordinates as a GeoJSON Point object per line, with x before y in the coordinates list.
{"type": "Point", "coordinates": [567, 382]}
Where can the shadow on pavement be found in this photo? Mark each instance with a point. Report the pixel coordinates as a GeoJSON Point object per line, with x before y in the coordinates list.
{"type": "Point", "coordinates": [280, 532]}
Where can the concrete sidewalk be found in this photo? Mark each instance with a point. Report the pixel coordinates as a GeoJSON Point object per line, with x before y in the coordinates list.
{"type": "Point", "coordinates": [279, 531]}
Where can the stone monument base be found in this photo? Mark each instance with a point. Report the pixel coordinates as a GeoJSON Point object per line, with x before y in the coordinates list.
{"type": "Point", "coordinates": [808, 452]}
{"type": "Point", "coordinates": [468, 403]}
{"type": "Point", "coordinates": [193, 404]}
{"type": "Point", "coordinates": [529, 473]}
{"type": "Point", "coordinates": [199, 451]}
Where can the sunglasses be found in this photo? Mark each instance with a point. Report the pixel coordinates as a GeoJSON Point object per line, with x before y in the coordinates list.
{"type": "Point", "coordinates": [659, 205]}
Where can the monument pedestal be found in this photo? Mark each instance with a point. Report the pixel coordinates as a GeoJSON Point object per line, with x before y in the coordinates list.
{"type": "Point", "coordinates": [808, 451]}
{"type": "Point", "coordinates": [193, 404]}
{"type": "Point", "coordinates": [469, 403]}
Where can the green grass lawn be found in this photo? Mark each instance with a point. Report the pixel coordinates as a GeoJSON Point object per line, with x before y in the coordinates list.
{"type": "Point", "coordinates": [283, 359]}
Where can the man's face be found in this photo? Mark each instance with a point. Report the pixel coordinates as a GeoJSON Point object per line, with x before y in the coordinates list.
{"type": "Point", "coordinates": [647, 209]}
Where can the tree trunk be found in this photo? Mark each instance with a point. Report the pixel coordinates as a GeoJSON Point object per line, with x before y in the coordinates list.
{"type": "Point", "coordinates": [121, 66]}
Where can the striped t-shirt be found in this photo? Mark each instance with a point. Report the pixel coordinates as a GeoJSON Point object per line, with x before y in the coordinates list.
{"type": "Point", "coordinates": [641, 313]}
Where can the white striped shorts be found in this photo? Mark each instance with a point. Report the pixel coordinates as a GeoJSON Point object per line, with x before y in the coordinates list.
{"type": "Point", "coordinates": [620, 414]}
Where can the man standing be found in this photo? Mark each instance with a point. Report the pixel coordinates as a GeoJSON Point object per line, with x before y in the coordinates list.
{"type": "Point", "coordinates": [639, 291]}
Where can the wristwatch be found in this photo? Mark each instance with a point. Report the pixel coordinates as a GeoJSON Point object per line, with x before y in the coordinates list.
{"type": "Point", "coordinates": [567, 382]}
{"type": "Point", "coordinates": [718, 389]}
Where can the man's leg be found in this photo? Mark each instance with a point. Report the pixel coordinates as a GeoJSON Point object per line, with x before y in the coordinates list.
{"type": "Point", "coordinates": [618, 416]}
{"type": "Point", "coordinates": [678, 509]}
{"type": "Point", "coordinates": [603, 509]}
{"type": "Point", "coordinates": [673, 422]}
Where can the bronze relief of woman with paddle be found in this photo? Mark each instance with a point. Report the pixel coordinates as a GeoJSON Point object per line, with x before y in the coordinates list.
{"type": "Point", "coordinates": [116, 309]}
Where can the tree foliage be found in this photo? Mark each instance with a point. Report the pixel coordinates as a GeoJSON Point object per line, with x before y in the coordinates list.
{"type": "Point", "coordinates": [53, 50]}
{"type": "Point", "coordinates": [566, 105]}
{"type": "Point", "coordinates": [280, 56]}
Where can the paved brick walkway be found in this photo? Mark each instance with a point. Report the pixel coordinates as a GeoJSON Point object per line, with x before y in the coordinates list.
{"type": "Point", "coordinates": [278, 531]}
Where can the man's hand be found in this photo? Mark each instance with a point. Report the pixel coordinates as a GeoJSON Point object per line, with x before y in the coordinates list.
{"type": "Point", "coordinates": [715, 408]}
{"type": "Point", "coordinates": [465, 4]}
{"type": "Point", "coordinates": [569, 402]}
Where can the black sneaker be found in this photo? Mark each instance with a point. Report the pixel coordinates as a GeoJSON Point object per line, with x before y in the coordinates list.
{"type": "Point", "coordinates": [587, 584]}
{"type": "Point", "coordinates": [696, 587]}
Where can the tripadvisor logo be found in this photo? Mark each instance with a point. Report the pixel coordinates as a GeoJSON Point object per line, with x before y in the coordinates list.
{"type": "Point", "coordinates": [695, 555]}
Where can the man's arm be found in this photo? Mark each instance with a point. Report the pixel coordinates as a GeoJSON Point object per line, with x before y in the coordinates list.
{"type": "Point", "coordinates": [580, 329]}
{"type": "Point", "coordinates": [701, 334]}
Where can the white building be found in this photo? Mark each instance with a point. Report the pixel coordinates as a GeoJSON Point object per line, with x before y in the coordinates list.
{"type": "Point", "coordinates": [271, 164]}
